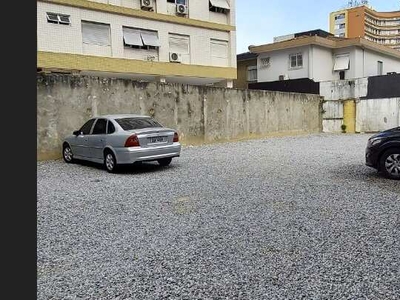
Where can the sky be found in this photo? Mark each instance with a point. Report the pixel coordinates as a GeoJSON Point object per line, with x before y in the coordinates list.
{"type": "Point", "coordinates": [259, 21]}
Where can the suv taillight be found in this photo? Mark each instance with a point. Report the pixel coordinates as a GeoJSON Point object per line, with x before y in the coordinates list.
{"type": "Point", "coordinates": [132, 141]}
{"type": "Point", "coordinates": [176, 137]}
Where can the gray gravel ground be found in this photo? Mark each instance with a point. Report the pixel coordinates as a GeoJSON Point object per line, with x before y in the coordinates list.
{"type": "Point", "coordinates": [281, 218]}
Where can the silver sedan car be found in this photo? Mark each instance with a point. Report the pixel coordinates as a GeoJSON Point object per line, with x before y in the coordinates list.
{"type": "Point", "coordinates": [122, 139]}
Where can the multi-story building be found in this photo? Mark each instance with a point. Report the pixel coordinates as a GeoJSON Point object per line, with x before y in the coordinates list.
{"type": "Point", "coordinates": [362, 21]}
{"type": "Point", "coordinates": [183, 41]}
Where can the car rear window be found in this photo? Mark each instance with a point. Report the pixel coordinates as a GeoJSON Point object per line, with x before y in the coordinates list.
{"type": "Point", "coordinates": [137, 123]}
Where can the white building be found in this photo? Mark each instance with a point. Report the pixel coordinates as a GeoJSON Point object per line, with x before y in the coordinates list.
{"type": "Point", "coordinates": [324, 59]}
{"type": "Point", "coordinates": [185, 41]}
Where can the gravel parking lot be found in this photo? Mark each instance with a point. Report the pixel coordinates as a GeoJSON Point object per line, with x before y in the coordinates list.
{"type": "Point", "coordinates": [280, 218]}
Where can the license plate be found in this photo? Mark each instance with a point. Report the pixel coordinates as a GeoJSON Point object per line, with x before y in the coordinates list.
{"type": "Point", "coordinates": [157, 139]}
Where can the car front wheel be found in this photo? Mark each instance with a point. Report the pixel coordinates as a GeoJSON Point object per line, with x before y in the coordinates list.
{"type": "Point", "coordinates": [67, 154]}
{"type": "Point", "coordinates": [389, 164]}
{"type": "Point", "coordinates": [110, 162]}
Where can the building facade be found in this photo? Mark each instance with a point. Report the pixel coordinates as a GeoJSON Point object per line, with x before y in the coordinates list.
{"type": "Point", "coordinates": [246, 70]}
{"type": "Point", "coordinates": [379, 27]}
{"type": "Point", "coordinates": [182, 41]}
{"type": "Point", "coordinates": [324, 59]}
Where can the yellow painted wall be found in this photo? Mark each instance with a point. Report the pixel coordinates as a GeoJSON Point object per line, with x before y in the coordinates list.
{"type": "Point", "coordinates": [66, 61]}
{"type": "Point", "coordinates": [241, 82]}
{"type": "Point", "coordinates": [349, 115]}
{"type": "Point", "coordinates": [332, 21]}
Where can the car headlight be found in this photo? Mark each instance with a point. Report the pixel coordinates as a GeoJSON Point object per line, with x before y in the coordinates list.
{"type": "Point", "coordinates": [375, 141]}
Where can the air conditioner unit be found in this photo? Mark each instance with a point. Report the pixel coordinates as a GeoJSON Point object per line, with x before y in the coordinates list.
{"type": "Point", "coordinates": [181, 9]}
{"type": "Point", "coordinates": [147, 4]}
{"type": "Point", "coordinates": [283, 77]}
{"type": "Point", "coordinates": [175, 57]}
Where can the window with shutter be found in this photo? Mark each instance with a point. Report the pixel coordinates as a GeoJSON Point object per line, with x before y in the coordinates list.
{"type": "Point", "coordinates": [179, 43]}
{"type": "Point", "coordinates": [132, 37]}
{"type": "Point", "coordinates": [219, 6]}
{"type": "Point", "coordinates": [96, 33]}
{"type": "Point", "coordinates": [219, 48]}
{"type": "Point", "coordinates": [140, 38]}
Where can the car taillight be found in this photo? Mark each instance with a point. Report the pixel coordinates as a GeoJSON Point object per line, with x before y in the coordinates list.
{"type": "Point", "coordinates": [132, 141]}
{"type": "Point", "coordinates": [176, 137]}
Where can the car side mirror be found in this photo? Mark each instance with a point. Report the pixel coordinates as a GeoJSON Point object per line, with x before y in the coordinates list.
{"type": "Point", "coordinates": [77, 132]}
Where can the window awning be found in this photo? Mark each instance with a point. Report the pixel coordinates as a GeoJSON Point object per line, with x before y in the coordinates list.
{"type": "Point", "coordinates": [150, 39]}
{"type": "Point", "coordinates": [341, 63]}
{"type": "Point", "coordinates": [220, 4]}
{"type": "Point", "coordinates": [52, 17]}
{"type": "Point", "coordinates": [132, 37]}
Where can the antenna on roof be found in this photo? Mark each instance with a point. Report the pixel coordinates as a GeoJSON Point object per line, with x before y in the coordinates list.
{"type": "Point", "coordinates": [354, 3]}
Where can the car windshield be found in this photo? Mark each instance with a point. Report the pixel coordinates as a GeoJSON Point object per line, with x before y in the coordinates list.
{"type": "Point", "coordinates": [137, 123]}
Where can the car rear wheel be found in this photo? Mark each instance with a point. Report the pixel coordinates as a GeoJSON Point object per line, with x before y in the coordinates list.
{"type": "Point", "coordinates": [67, 154]}
{"type": "Point", "coordinates": [164, 161]}
{"type": "Point", "coordinates": [110, 162]}
{"type": "Point", "coordinates": [389, 164]}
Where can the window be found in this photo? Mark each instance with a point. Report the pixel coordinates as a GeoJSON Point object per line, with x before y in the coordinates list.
{"type": "Point", "coordinates": [179, 43]}
{"type": "Point", "coordinates": [184, 2]}
{"type": "Point", "coordinates": [219, 6]}
{"type": "Point", "coordinates": [140, 38]}
{"type": "Point", "coordinates": [58, 18]}
{"type": "Point", "coordinates": [100, 126]}
{"type": "Point", "coordinates": [265, 62]}
{"type": "Point", "coordinates": [342, 75]}
{"type": "Point", "coordinates": [339, 17]}
{"type": "Point", "coordinates": [252, 73]}
{"type": "Point", "coordinates": [219, 48]}
{"type": "Point", "coordinates": [96, 33]}
{"type": "Point", "coordinates": [380, 67]}
{"type": "Point", "coordinates": [296, 60]}
{"type": "Point", "coordinates": [137, 123]}
{"type": "Point", "coordinates": [110, 127]}
{"type": "Point", "coordinates": [342, 62]}
{"type": "Point", "coordinates": [85, 129]}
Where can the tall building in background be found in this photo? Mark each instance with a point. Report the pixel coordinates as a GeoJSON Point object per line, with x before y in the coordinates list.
{"type": "Point", "coordinates": [362, 21]}
{"type": "Point", "coordinates": [178, 41]}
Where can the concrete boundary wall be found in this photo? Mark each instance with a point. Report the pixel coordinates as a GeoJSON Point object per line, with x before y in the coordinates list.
{"type": "Point", "coordinates": [374, 115]}
{"type": "Point", "coordinates": [200, 114]}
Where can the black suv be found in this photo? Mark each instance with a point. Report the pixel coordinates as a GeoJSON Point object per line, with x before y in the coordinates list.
{"type": "Point", "coordinates": [383, 152]}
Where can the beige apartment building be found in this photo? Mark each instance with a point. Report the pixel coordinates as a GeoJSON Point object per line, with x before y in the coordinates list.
{"type": "Point", "coordinates": [362, 21]}
{"type": "Point", "coordinates": [178, 41]}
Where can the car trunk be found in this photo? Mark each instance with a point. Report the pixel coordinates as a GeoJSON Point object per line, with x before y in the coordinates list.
{"type": "Point", "coordinates": [154, 137]}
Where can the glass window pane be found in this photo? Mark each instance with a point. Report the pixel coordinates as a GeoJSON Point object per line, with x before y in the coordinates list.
{"type": "Point", "coordinates": [137, 123]}
{"type": "Point", "coordinates": [110, 128]}
{"type": "Point", "coordinates": [85, 129]}
{"type": "Point", "coordinates": [299, 60]}
{"type": "Point", "coordinates": [100, 126]}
